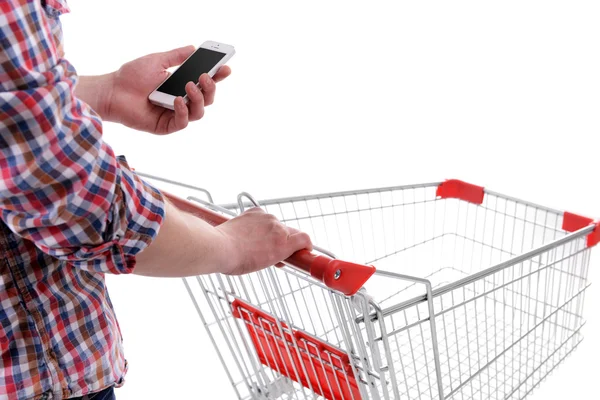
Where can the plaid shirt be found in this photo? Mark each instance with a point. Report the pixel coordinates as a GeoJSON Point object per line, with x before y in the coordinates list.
{"type": "Point", "coordinates": [70, 212]}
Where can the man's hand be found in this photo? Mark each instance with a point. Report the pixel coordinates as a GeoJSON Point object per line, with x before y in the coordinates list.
{"type": "Point", "coordinates": [122, 96]}
{"type": "Point", "coordinates": [258, 240]}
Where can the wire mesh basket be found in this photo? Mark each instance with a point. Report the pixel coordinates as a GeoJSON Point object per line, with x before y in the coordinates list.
{"type": "Point", "coordinates": [477, 295]}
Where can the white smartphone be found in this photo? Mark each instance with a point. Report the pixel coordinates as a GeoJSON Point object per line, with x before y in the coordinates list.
{"type": "Point", "coordinates": [208, 58]}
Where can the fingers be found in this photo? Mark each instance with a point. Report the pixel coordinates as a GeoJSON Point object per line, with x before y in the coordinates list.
{"type": "Point", "coordinates": [180, 118]}
{"type": "Point", "coordinates": [296, 240]}
{"type": "Point", "coordinates": [299, 241]}
{"type": "Point", "coordinates": [197, 101]}
{"type": "Point", "coordinates": [200, 97]}
{"type": "Point", "coordinates": [175, 57]}
{"type": "Point", "coordinates": [208, 89]}
{"type": "Point", "coordinates": [208, 84]}
{"type": "Point", "coordinates": [222, 73]}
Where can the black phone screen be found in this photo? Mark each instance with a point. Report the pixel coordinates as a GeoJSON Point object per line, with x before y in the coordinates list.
{"type": "Point", "coordinates": [203, 60]}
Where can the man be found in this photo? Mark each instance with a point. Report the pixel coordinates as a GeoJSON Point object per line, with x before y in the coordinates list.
{"type": "Point", "coordinates": [71, 211]}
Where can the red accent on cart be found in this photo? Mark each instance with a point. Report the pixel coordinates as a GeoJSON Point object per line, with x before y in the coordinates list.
{"type": "Point", "coordinates": [343, 276]}
{"type": "Point", "coordinates": [574, 222]}
{"type": "Point", "coordinates": [456, 189]}
{"type": "Point", "coordinates": [316, 365]}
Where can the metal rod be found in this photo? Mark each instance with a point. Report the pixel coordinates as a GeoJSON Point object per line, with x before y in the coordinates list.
{"type": "Point", "coordinates": [482, 274]}
{"type": "Point", "coordinates": [336, 194]}
{"type": "Point", "coordinates": [172, 182]}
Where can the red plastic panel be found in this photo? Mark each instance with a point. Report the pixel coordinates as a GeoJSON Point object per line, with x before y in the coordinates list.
{"type": "Point", "coordinates": [573, 222]}
{"type": "Point", "coordinates": [318, 365]}
{"type": "Point", "coordinates": [455, 189]}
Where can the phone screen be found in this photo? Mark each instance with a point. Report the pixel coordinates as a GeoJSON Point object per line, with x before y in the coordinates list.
{"type": "Point", "coordinates": [203, 60]}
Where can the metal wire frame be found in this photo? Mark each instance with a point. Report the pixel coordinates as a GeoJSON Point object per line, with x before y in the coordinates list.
{"type": "Point", "coordinates": [519, 321]}
{"type": "Point", "coordinates": [503, 282]}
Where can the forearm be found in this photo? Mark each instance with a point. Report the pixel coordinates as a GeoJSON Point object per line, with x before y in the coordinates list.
{"type": "Point", "coordinates": [185, 246]}
{"type": "Point", "coordinates": [96, 91]}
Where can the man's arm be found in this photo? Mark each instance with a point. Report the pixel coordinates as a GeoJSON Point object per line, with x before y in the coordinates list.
{"type": "Point", "coordinates": [64, 190]}
{"type": "Point", "coordinates": [187, 246]}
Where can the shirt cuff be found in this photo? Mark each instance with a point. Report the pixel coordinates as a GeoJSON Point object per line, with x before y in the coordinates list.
{"type": "Point", "coordinates": [135, 217]}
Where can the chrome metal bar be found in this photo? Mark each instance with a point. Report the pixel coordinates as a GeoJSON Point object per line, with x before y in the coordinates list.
{"type": "Point", "coordinates": [337, 194]}
{"type": "Point", "coordinates": [212, 206]}
{"type": "Point", "coordinates": [524, 202]}
{"type": "Point", "coordinates": [173, 182]}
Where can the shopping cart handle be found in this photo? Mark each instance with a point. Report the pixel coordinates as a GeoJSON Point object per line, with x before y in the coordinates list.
{"type": "Point", "coordinates": [345, 277]}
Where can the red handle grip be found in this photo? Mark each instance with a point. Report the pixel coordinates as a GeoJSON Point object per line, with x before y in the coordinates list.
{"type": "Point", "coordinates": [342, 276]}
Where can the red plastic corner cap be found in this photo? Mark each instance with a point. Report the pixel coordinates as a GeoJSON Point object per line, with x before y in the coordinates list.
{"type": "Point", "coordinates": [594, 237]}
{"type": "Point", "coordinates": [573, 222]}
{"type": "Point", "coordinates": [456, 189]}
{"type": "Point", "coordinates": [343, 276]}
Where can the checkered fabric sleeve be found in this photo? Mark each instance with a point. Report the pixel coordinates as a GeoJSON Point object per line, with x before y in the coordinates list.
{"type": "Point", "coordinates": [62, 186]}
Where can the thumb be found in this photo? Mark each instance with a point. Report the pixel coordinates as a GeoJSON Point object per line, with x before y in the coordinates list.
{"type": "Point", "coordinates": [175, 57]}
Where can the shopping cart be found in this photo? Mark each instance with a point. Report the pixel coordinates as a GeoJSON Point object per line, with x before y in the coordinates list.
{"type": "Point", "coordinates": [477, 295]}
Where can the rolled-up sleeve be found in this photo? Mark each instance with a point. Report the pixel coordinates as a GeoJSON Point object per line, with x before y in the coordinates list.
{"type": "Point", "coordinates": [62, 186]}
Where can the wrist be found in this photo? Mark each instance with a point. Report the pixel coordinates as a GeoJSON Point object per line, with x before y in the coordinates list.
{"type": "Point", "coordinates": [97, 91]}
{"type": "Point", "coordinates": [231, 252]}
{"type": "Point", "coordinates": [108, 92]}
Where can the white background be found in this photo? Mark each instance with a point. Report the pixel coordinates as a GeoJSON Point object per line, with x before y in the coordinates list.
{"type": "Point", "coordinates": [333, 95]}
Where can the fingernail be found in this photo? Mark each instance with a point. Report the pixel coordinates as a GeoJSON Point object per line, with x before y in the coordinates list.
{"type": "Point", "coordinates": [196, 89]}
